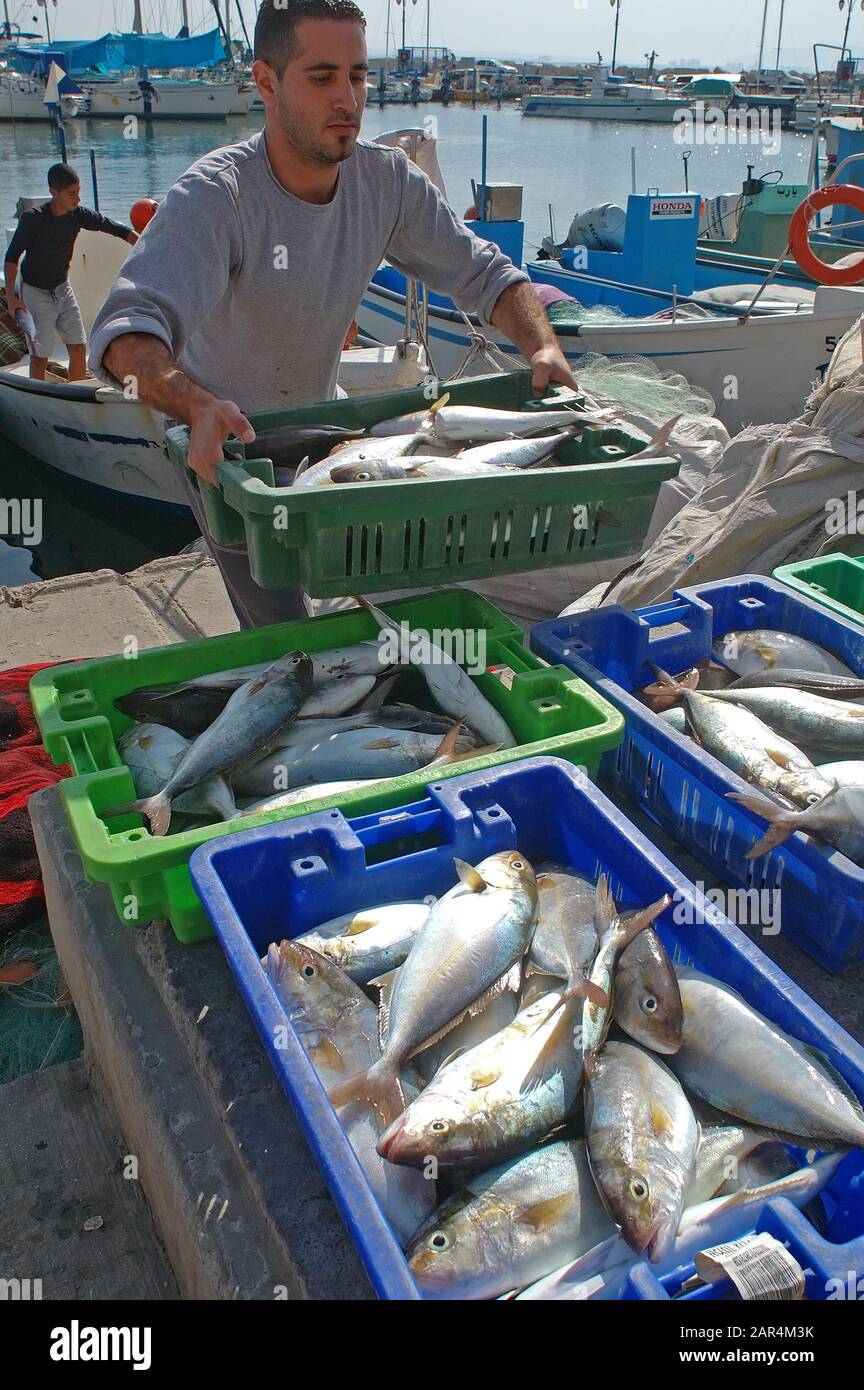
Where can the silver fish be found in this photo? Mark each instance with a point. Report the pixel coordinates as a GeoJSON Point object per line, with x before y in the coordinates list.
{"type": "Point", "coordinates": [421, 468]}
{"type": "Point", "coordinates": [511, 1225]}
{"type": "Point", "coordinates": [251, 721]}
{"type": "Point", "coordinates": [642, 1140]}
{"type": "Point", "coordinates": [337, 1025]}
{"type": "Point", "coordinates": [745, 1065]}
{"type": "Point", "coordinates": [720, 1161]}
{"type": "Point", "coordinates": [602, 1271]}
{"type": "Point", "coordinates": [816, 682]}
{"type": "Point", "coordinates": [751, 749]}
{"type": "Point", "coordinates": [647, 1000]}
{"type": "Point", "coordinates": [338, 695]}
{"type": "Point", "coordinates": [456, 423]}
{"type": "Point", "coordinates": [519, 453]}
{"type": "Point", "coordinates": [362, 451]}
{"type": "Point", "coordinates": [370, 942]}
{"type": "Point", "coordinates": [498, 1098]}
{"type": "Point", "coordinates": [615, 934]}
{"type": "Point", "coordinates": [565, 909]}
{"type": "Point", "coordinates": [817, 721]}
{"type": "Point", "coordinates": [471, 941]}
{"type": "Point", "coordinates": [453, 690]}
{"type": "Point", "coordinates": [838, 819]}
{"type": "Point", "coordinates": [152, 752]}
{"type": "Point", "coordinates": [765, 649]}
{"type": "Point", "coordinates": [843, 774]}
{"type": "Point", "coordinates": [358, 754]}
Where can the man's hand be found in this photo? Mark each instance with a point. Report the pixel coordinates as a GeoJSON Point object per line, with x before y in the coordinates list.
{"type": "Point", "coordinates": [522, 317]}
{"type": "Point", "coordinates": [14, 304]}
{"type": "Point", "coordinates": [210, 425]}
{"type": "Point", "coordinates": [548, 365]}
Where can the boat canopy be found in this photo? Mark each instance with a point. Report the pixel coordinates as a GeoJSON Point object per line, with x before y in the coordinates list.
{"type": "Point", "coordinates": [115, 52]}
{"type": "Point", "coordinates": [710, 86]}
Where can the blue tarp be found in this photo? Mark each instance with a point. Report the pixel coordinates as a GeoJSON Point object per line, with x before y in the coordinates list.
{"type": "Point", "coordinates": [116, 52]}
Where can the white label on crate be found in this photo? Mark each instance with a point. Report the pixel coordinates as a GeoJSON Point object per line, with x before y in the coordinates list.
{"type": "Point", "coordinates": [672, 207]}
{"type": "Point", "coordinates": [758, 1265]}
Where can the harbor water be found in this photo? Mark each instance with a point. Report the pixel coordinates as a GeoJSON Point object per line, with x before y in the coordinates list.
{"type": "Point", "coordinates": [571, 165]}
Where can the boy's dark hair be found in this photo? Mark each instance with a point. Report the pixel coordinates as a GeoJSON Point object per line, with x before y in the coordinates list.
{"type": "Point", "coordinates": [61, 176]}
{"type": "Point", "coordinates": [275, 39]}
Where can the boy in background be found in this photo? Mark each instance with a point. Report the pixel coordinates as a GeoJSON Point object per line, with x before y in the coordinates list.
{"type": "Point", "coordinates": [47, 234]}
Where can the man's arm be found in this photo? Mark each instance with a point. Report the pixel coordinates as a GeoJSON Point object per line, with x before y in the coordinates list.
{"type": "Point", "coordinates": [95, 222]}
{"type": "Point", "coordinates": [14, 251]}
{"type": "Point", "coordinates": [12, 300]}
{"type": "Point", "coordinates": [522, 317]}
{"type": "Point", "coordinates": [144, 362]}
{"type": "Point", "coordinates": [433, 245]}
{"type": "Point", "coordinates": [179, 271]}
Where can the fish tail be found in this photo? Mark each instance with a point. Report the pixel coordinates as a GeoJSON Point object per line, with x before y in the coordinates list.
{"type": "Point", "coordinates": [629, 930]}
{"type": "Point", "coordinates": [157, 809]}
{"type": "Point", "coordinates": [380, 617]}
{"type": "Point", "coordinates": [379, 1086]}
{"type": "Point", "coordinates": [781, 822]}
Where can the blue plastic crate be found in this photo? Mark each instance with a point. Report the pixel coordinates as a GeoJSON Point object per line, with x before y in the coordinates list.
{"type": "Point", "coordinates": [684, 788]}
{"type": "Point", "coordinates": [283, 879]}
{"type": "Point", "coordinates": [833, 1264]}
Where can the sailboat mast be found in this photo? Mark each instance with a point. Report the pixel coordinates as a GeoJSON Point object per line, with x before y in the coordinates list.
{"type": "Point", "coordinates": [7, 27]}
{"type": "Point", "coordinates": [615, 40]}
{"type": "Point", "coordinates": [184, 13]}
{"type": "Point", "coordinates": [762, 38]}
{"type": "Point", "coordinates": [779, 36]}
{"type": "Point", "coordinates": [137, 24]}
{"type": "Point", "coordinates": [428, 25]}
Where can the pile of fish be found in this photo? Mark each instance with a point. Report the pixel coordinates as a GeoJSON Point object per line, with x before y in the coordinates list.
{"type": "Point", "coordinates": [539, 1096]}
{"type": "Point", "coordinates": [280, 734]}
{"type": "Point", "coordinates": [431, 444]}
{"type": "Point", "coordinates": [787, 716]}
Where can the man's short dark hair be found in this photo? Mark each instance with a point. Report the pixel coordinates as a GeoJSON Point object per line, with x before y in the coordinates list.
{"type": "Point", "coordinates": [275, 27]}
{"type": "Point", "coordinates": [61, 176]}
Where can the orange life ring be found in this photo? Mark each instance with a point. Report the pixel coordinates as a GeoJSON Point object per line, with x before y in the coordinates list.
{"type": "Point", "coordinates": [799, 232]}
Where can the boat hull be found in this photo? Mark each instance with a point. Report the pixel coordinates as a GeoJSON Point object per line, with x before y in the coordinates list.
{"type": "Point", "coordinates": [662, 112]}
{"type": "Point", "coordinates": [758, 373]}
{"type": "Point", "coordinates": [92, 434]}
{"type": "Point", "coordinates": [191, 101]}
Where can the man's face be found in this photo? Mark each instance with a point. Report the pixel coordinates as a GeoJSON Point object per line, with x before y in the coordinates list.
{"type": "Point", "coordinates": [319, 100]}
{"type": "Point", "coordinates": [67, 199]}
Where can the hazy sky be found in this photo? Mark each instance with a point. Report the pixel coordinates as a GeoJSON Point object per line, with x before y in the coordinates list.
{"type": "Point", "coordinates": [714, 31]}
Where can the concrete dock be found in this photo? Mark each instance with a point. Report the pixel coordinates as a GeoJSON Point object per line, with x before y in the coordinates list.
{"type": "Point", "coordinates": [176, 1133]}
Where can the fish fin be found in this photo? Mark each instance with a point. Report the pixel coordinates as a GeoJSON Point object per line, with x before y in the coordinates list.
{"type": "Point", "coordinates": [628, 930]}
{"type": "Point", "coordinates": [481, 1079]}
{"type": "Point", "coordinates": [659, 440]}
{"type": "Point", "coordinates": [383, 985]}
{"type": "Point", "coordinates": [379, 1086]}
{"type": "Point", "coordinates": [358, 926]}
{"type": "Point", "coordinates": [512, 980]}
{"type": "Point", "coordinates": [828, 1068]}
{"type": "Point", "coordinates": [468, 875]}
{"type": "Point", "coordinates": [605, 911]}
{"type": "Point", "coordinates": [302, 467]}
{"type": "Point", "coordinates": [446, 749]}
{"type": "Point", "coordinates": [327, 1054]}
{"type": "Point", "coordinates": [378, 696]}
{"type": "Point", "coordinates": [156, 809]}
{"type": "Point", "coordinates": [380, 617]}
{"type": "Point", "coordinates": [465, 757]}
{"type": "Point", "coordinates": [768, 654]}
{"type": "Point", "coordinates": [544, 1215]}
{"type": "Point", "coordinates": [778, 819]}
{"type": "Point", "coordinates": [661, 1120]}
{"type": "Point", "coordinates": [428, 420]}
{"type": "Point", "coordinates": [452, 1057]}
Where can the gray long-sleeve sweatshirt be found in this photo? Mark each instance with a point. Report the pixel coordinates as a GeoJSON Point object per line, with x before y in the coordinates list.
{"type": "Point", "coordinates": [253, 289]}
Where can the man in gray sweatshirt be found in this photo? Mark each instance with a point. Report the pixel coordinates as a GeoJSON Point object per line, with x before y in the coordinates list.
{"type": "Point", "coordinates": [239, 295]}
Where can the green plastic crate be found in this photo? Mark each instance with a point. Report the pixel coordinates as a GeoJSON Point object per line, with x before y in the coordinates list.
{"type": "Point", "coordinates": [366, 537]}
{"type": "Point", "coordinates": [549, 710]}
{"type": "Point", "coordinates": [837, 581]}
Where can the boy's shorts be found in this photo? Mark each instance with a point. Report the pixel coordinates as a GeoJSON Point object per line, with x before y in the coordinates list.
{"type": "Point", "coordinates": [54, 311]}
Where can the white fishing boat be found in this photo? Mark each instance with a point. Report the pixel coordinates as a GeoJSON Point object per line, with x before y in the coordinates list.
{"type": "Point", "coordinates": [103, 438]}
{"type": "Point", "coordinates": [609, 99]}
{"type": "Point", "coordinates": [22, 98]}
{"type": "Point", "coordinates": [157, 98]}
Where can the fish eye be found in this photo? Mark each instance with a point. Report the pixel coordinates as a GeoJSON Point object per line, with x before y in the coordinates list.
{"type": "Point", "coordinates": [638, 1189]}
{"type": "Point", "coordinates": [813, 798]}
{"type": "Point", "coordinates": [309, 971]}
{"type": "Point", "coordinates": [363, 477]}
{"type": "Point", "coordinates": [649, 1004]}
{"type": "Point", "coordinates": [517, 864]}
{"type": "Point", "coordinates": [439, 1126]}
{"type": "Point", "coordinates": [439, 1240]}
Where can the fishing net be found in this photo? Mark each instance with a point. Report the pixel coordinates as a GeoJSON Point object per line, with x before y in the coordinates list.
{"type": "Point", "coordinates": [635, 384]}
{"type": "Point", "coordinates": [38, 1025]}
